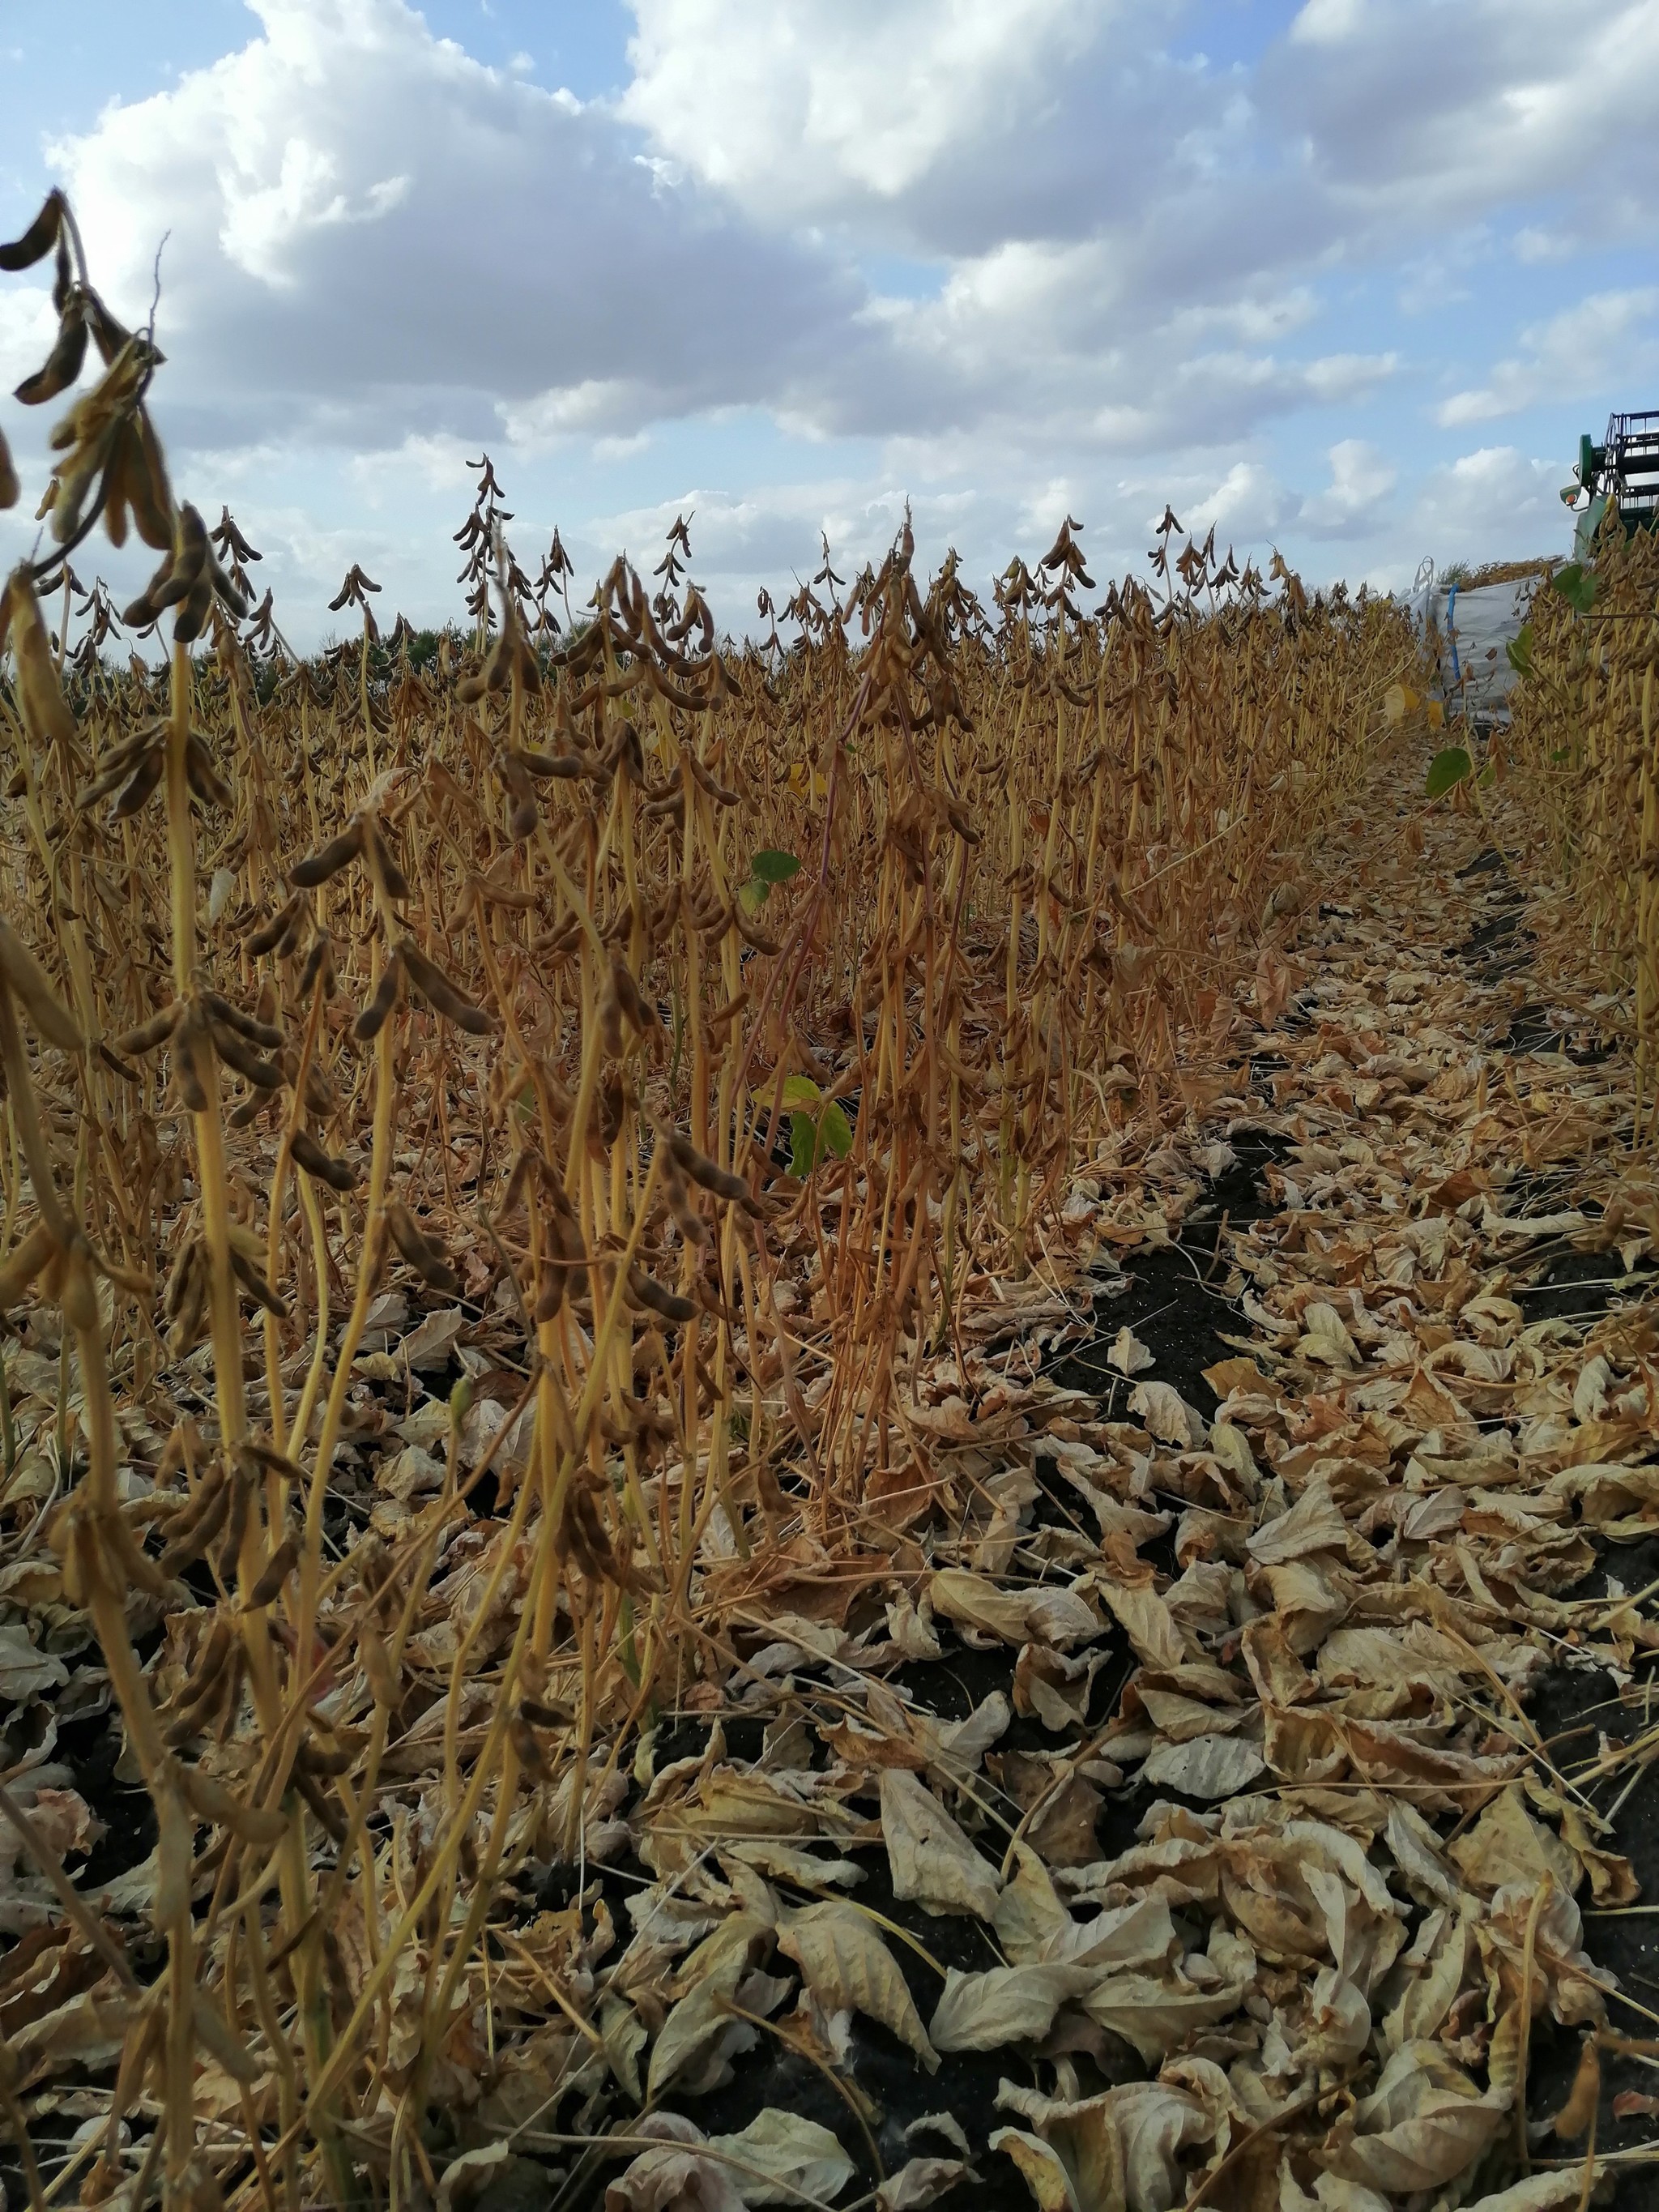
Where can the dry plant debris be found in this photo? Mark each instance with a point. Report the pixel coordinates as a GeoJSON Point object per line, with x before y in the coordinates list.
{"type": "Point", "coordinates": [595, 1518]}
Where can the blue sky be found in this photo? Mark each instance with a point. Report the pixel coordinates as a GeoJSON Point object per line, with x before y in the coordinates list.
{"type": "Point", "coordinates": [1346, 277]}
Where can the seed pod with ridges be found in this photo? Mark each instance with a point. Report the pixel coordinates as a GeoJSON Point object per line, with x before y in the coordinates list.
{"type": "Point", "coordinates": [370, 1022]}
{"type": "Point", "coordinates": [719, 1180]}
{"type": "Point", "coordinates": [425, 1258]}
{"type": "Point", "coordinates": [190, 561]}
{"type": "Point", "coordinates": [191, 617]}
{"type": "Point", "coordinates": [307, 1153]}
{"type": "Point", "coordinates": [192, 1040]}
{"type": "Point", "coordinates": [394, 881]}
{"type": "Point", "coordinates": [241, 1495]}
{"type": "Point", "coordinates": [37, 240]}
{"type": "Point", "coordinates": [442, 996]}
{"type": "Point", "coordinates": [150, 1034]}
{"type": "Point", "coordinates": [204, 779]}
{"type": "Point", "coordinates": [25, 976]}
{"type": "Point", "coordinates": [692, 1226]}
{"type": "Point", "coordinates": [46, 713]}
{"type": "Point", "coordinates": [62, 364]}
{"type": "Point", "coordinates": [318, 966]}
{"type": "Point", "coordinates": [269, 934]}
{"type": "Point", "coordinates": [263, 1034]}
{"type": "Point", "coordinates": [136, 791]}
{"type": "Point", "coordinates": [24, 1263]}
{"type": "Point", "coordinates": [644, 1289]}
{"type": "Point", "coordinates": [235, 1052]}
{"type": "Point", "coordinates": [279, 1568]}
{"type": "Point", "coordinates": [567, 765]}
{"type": "Point", "coordinates": [256, 1286]}
{"type": "Point", "coordinates": [339, 853]}
{"type": "Point", "coordinates": [144, 480]}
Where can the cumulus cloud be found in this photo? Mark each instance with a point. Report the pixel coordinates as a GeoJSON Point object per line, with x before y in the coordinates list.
{"type": "Point", "coordinates": [1008, 256]}
{"type": "Point", "coordinates": [1609, 338]}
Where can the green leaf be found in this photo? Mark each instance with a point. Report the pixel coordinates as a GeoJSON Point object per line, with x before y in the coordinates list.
{"type": "Point", "coordinates": [753, 895]}
{"type": "Point", "coordinates": [835, 1131]}
{"type": "Point", "coordinates": [1447, 770]}
{"type": "Point", "coordinates": [1577, 587]}
{"type": "Point", "coordinates": [771, 867]}
{"type": "Point", "coordinates": [803, 1144]}
{"type": "Point", "coordinates": [1518, 650]}
{"type": "Point", "coordinates": [801, 1090]}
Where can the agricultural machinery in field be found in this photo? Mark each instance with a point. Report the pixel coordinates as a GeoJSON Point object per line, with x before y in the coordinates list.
{"type": "Point", "coordinates": [1621, 473]}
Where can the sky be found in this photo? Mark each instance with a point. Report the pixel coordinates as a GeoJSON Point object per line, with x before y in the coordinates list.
{"type": "Point", "coordinates": [1345, 279]}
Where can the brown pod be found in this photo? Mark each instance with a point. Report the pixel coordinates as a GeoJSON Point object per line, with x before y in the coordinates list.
{"type": "Point", "coordinates": [137, 789]}
{"type": "Point", "coordinates": [394, 881]}
{"type": "Point", "coordinates": [46, 713]}
{"type": "Point", "coordinates": [242, 1496]}
{"type": "Point", "coordinates": [610, 1020]}
{"type": "Point", "coordinates": [372, 1020]}
{"type": "Point", "coordinates": [425, 1258]}
{"type": "Point", "coordinates": [307, 1153]}
{"type": "Point", "coordinates": [204, 779]}
{"type": "Point", "coordinates": [692, 1226]}
{"type": "Point", "coordinates": [149, 1035]}
{"type": "Point", "coordinates": [235, 1052]}
{"type": "Point", "coordinates": [9, 487]}
{"type": "Point", "coordinates": [269, 934]}
{"type": "Point", "coordinates": [145, 482]}
{"type": "Point", "coordinates": [277, 1569]}
{"type": "Point", "coordinates": [441, 996]}
{"type": "Point", "coordinates": [567, 765]}
{"type": "Point", "coordinates": [62, 364]}
{"type": "Point", "coordinates": [721, 1181]}
{"type": "Point", "coordinates": [248, 1025]}
{"type": "Point", "coordinates": [318, 967]}
{"type": "Point", "coordinates": [644, 1289]}
{"type": "Point", "coordinates": [256, 1286]}
{"type": "Point", "coordinates": [30, 981]}
{"type": "Point", "coordinates": [38, 240]}
{"type": "Point", "coordinates": [339, 851]}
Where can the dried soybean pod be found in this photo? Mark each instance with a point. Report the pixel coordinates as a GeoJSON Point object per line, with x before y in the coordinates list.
{"type": "Point", "coordinates": [378, 852]}
{"type": "Point", "coordinates": [719, 1180]}
{"type": "Point", "coordinates": [277, 1569]}
{"type": "Point", "coordinates": [308, 1154]}
{"type": "Point", "coordinates": [235, 1052]}
{"type": "Point", "coordinates": [23, 973]}
{"type": "Point", "coordinates": [318, 967]}
{"type": "Point", "coordinates": [25, 1262]}
{"type": "Point", "coordinates": [425, 1258]}
{"type": "Point", "coordinates": [645, 1291]}
{"type": "Point", "coordinates": [62, 364]}
{"type": "Point", "coordinates": [442, 996]}
{"type": "Point", "coordinates": [370, 1022]}
{"type": "Point", "coordinates": [269, 934]}
{"type": "Point", "coordinates": [46, 713]}
{"type": "Point", "coordinates": [317, 868]}
{"type": "Point", "coordinates": [205, 780]}
{"type": "Point", "coordinates": [133, 793]}
{"type": "Point", "coordinates": [256, 1286]}
{"type": "Point", "coordinates": [39, 239]}
{"type": "Point", "coordinates": [692, 1226]}
{"type": "Point", "coordinates": [9, 489]}
{"type": "Point", "coordinates": [248, 1025]}
{"type": "Point", "coordinates": [152, 1033]}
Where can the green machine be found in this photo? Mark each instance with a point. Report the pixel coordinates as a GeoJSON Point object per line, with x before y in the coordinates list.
{"type": "Point", "coordinates": [1622, 472]}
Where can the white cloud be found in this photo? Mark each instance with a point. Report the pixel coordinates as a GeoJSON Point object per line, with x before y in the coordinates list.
{"type": "Point", "coordinates": [1608, 338]}
{"type": "Point", "coordinates": [1362, 478]}
{"type": "Point", "coordinates": [796, 110]}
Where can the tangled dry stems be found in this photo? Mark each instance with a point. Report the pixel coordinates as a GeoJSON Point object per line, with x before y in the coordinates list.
{"type": "Point", "coordinates": [495, 983]}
